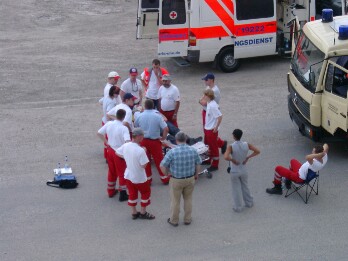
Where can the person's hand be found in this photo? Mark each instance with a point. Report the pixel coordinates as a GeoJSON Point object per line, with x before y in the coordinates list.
{"type": "Point", "coordinates": [245, 161]}
{"type": "Point", "coordinates": [235, 162]}
{"type": "Point", "coordinates": [174, 116]}
{"type": "Point", "coordinates": [215, 130]}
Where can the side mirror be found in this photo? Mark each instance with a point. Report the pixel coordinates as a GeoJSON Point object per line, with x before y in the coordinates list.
{"type": "Point", "coordinates": [311, 79]}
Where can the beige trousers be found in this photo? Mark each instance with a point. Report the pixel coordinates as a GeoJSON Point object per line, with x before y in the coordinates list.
{"type": "Point", "coordinates": [185, 188]}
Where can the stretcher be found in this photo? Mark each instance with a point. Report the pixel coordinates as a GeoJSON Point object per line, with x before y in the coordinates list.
{"type": "Point", "coordinates": [202, 150]}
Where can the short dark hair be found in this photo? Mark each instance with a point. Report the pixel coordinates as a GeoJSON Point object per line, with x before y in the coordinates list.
{"type": "Point", "coordinates": [180, 136]}
{"type": "Point", "coordinates": [149, 104]}
{"type": "Point", "coordinates": [112, 90]}
{"type": "Point", "coordinates": [120, 114]}
{"type": "Point", "coordinates": [237, 133]}
{"type": "Point", "coordinates": [318, 148]}
{"type": "Point", "coordinates": [156, 62]}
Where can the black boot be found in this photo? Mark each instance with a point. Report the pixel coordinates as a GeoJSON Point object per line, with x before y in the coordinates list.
{"type": "Point", "coordinates": [287, 183]}
{"type": "Point", "coordinates": [123, 196]}
{"type": "Point", "coordinates": [277, 189]}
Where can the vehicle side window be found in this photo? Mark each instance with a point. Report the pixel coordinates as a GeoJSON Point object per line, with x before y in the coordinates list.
{"type": "Point", "coordinates": [254, 9]}
{"type": "Point", "coordinates": [329, 78]}
{"type": "Point", "coordinates": [149, 4]}
{"type": "Point", "coordinates": [173, 12]}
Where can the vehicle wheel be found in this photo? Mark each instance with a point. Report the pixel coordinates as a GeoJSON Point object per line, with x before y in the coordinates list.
{"type": "Point", "coordinates": [209, 175]}
{"type": "Point", "coordinates": [227, 62]}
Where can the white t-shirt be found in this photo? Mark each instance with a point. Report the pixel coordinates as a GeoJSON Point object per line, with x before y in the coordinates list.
{"type": "Point", "coordinates": [135, 157]}
{"type": "Point", "coordinates": [107, 89]}
{"type": "Point", "coordinates": [108, 104]}
{"type": "Point", "coordinates": [153, 87]}
{"type": "Point", "coordinates": [217, 95]}
{"type": "Point", "coordinates": [212, 114]}
{"type": "Point", "coordinates": [169, 96]}
{"type": "Point", "coordinates": [133, 88]}
{"type": "Point", "coordinates": [316, 166]}
{"type": "Point", "coordinates": [129, 115]}
{"type": "Point", "coordinates": [117, 133]}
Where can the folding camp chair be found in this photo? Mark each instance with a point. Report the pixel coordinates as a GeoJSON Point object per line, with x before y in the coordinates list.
{"type": "Point", "coordinates": [311, 183]}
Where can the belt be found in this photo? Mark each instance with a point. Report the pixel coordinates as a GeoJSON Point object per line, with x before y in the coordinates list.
{"type": "Point", "coordinates": [182, 177]}
{"type": "Point", "coordinates": [151, 139]}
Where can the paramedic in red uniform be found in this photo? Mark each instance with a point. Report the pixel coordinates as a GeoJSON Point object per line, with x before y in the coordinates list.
{"type": "Point", "coordinates": [136, 160]}
{"type": "Point", "coordinates": [152, 80]}
{"type": "Point", "coordinates": [209, 80]}
{"type": "Point", "coordinates": [118, 135]}
{"type": "Point", "coordinates": [169, 100]}
{"type": "Point", "coordinates": [213, 120]}
{"type": "Point", "coordinates": [152, 122]}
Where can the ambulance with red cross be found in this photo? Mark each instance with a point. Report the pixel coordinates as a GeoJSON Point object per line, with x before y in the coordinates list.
{"type": "Point", "coordinates": [225, 31]}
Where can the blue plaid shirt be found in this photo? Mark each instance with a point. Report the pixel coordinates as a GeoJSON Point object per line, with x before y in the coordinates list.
{"type": "Point", "coordinates": [181, 161]}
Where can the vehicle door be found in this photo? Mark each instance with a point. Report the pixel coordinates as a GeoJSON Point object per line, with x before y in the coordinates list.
{"type": "Point", "coordinates": [147, 19]}
{"type": "Point", "coordinates": [173, 28]}
{"type": "Point", "coordinates": [255, 28]}
{"type": "Point", "coordinates": [334, 101]}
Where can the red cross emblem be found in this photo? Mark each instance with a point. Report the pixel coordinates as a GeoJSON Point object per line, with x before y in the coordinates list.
{"type": "Point", "coordinates": [173, 15]}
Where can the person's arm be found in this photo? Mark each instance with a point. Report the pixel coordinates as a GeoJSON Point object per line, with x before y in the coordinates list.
{"type": "Point", "coordinates": [102, 137]}
{"type": "Point", "coordinates": [255, 151]}
{"type": "Point", "coordinates": [317, 156]}
{"type": "Point", "coordinates": [228, 155]}
{"type": "Point", "coordinates": [197, 170]}
{"type": "Point", "coordinates": [127, 125]}
{"type": "Point", "coordinates": [140, 96]}
{"type": "Point", "coordinates": [177, 105]}
{"type": "Point", "coordinates": [165, 133]}
{"type": "Point", "coordinates": [165, 170]}
{"type": "Point", "coordinates": [216, 128]}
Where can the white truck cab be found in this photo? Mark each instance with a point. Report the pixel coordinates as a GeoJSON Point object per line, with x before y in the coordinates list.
{"type": "Point", "coordinates": [318, 79]}
{"type": "Point", "coordinates": [225, 31]}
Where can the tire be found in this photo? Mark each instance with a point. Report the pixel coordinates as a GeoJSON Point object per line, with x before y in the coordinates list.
{"type": "Point", "coordinates": [226, 61]}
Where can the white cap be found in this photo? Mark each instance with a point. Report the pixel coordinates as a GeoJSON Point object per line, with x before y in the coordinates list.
{"type": "Point", "coordinates": [113, 75]}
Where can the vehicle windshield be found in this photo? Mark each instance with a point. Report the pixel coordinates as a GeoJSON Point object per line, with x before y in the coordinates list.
{"type": "Point", "coordinates": [307, 58]}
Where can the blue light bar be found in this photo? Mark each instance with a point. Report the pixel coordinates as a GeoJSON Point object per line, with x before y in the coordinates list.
{"type": "Point", "coordinates": [327, 16]}
{"type": "Point", "coordinates": [343, 32]}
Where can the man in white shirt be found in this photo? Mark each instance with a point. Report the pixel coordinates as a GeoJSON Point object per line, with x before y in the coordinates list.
{"type": "Point", "coordinates": [128, 102]}
{"type": "Point", "coordinates": [132, 85]}
{"type": "Point", "coordinates": [209, 80]}
{"type": "Point", "coordinates": [112, 80]}
{"type": "Point", "coordinates": [298, 172]}
{"type": "Point", "coordinates": [169, 100]}
{"type": "Point", "coordinates": [136, 160]}
{"type": "Point", "coordinates": [152, 80]}
{"type": "Point", "coordinates": [213, 120]}
{"type": "Point", "coordinates": [118, 134]}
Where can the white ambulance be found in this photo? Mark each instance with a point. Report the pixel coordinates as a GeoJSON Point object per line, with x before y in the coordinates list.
{"type": "Point", "coordinates": [224, 31]}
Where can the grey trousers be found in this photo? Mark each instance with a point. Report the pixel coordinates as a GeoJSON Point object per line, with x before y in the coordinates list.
{"type": "Point", "coordinates": [240, 189]}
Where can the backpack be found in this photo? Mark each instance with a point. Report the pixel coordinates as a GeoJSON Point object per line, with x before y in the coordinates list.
{"type": "Point", "coordinates": [63, 181]}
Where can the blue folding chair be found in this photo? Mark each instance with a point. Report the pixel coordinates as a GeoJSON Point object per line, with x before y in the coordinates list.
{"type": "Point", "coordinates": [311, 183]}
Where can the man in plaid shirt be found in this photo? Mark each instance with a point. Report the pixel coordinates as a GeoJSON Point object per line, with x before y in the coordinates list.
{"type": "Point", "coordinates": [182, 163]}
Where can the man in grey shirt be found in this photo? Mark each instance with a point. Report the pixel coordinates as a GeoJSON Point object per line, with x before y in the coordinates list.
{"type": "Point", "coordinates": [237, 153]}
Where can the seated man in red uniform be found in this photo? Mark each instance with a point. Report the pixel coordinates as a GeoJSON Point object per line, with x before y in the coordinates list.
{"type": "Point", "coordinates": [297, 172]}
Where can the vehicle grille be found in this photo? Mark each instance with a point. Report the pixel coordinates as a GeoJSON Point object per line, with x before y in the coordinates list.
{"type": "Point", "coordinates": [299, 102]}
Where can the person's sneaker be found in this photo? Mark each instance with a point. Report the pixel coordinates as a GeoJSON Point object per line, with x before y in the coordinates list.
{"type": "Point", "coordinates": [277, 189]}
{"type": "Point", "coordinates": [238, 210]}
{"type": "Point", "coordinates": [173, 224]}
{"type": "Point", "coordinates": [123, 196]}
{"type": "Point", "coordinates": [287, 183]}
{"type": "Point", "coordinates": [211, 168]}
{"type": "Point", "coordinates": [224, 147]}
{"type": "Point", "coordinates": [250, 205]}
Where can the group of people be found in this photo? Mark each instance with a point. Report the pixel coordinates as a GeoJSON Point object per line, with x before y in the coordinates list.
{"type": "Point", "coordinates": [139, 115]}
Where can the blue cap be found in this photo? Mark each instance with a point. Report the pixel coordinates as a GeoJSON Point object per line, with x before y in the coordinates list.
{"type": "Point", "coordinates": [208, 76]}
{"type": "Point", "coordinates": [128, 96]}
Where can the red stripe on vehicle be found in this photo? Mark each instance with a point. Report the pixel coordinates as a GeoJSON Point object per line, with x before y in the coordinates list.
{"type": "Point", "coordinates": [229, 5]}
{"type": "Point", "coordinates": [221, 13]}
{"type": "Point", "coordinates": [209, 32]}
{"type": "Point", "coordinates": [173, 34]}
{"type": "Point", "coordinates": [255, 29]}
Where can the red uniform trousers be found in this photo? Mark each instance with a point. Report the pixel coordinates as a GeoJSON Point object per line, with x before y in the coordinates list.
{"type": "Point", "coordinates": [169, 115]}
{"type": "Point", "coordinates": [105, 146]}
{"type": "Point", "coordinates": [145, 193]}
{"type": "Point", "coordinates": [220, 141]}
{"type": "Point", "coordinates": [291, 173]}
{"type": "Point", "coordinates": [214, 142]}
{"type": "Point", "coordinates": [117, 166]}
{"type": "Point", "coordinates": [154, 149]}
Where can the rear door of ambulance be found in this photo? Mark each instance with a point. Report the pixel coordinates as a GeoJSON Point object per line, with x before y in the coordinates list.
{"type": "Point", "coordinates": [147, 19]}
{"type": "Point", "coordinates": [173, 28]}
{"type": "Point", "coordinates": [255, 28]}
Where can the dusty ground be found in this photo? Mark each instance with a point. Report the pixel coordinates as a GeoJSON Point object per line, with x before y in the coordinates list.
{"type": "Point", "coordinates": [54, 59]}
